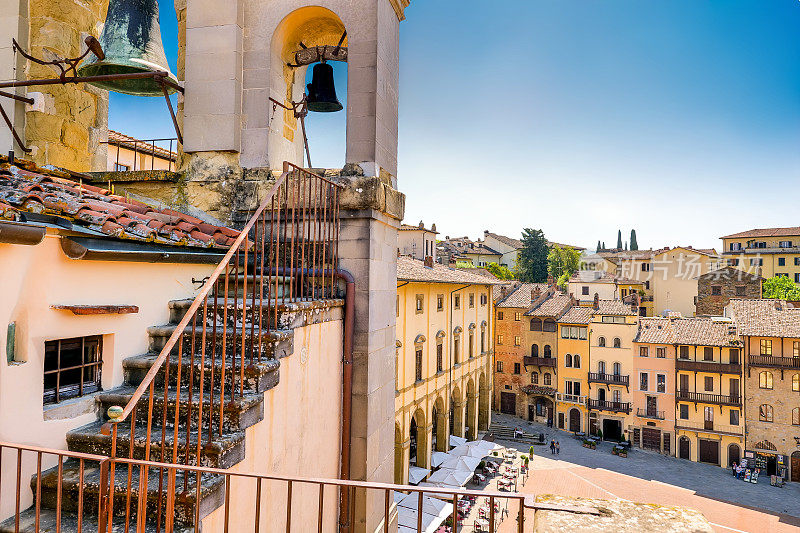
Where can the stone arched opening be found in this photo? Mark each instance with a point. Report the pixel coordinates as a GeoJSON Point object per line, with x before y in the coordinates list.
{"type": "Point", "coordinates": [419, 439]}
{"type": "Point", "coordinates": [440, 431]}
{"type": "Point", "coordinates": [484, 403]}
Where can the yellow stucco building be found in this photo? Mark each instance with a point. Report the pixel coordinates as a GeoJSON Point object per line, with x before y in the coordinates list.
{"type": "Point", "coordinates": [573, 362]}
{"type": "Point", "coordinates": [775, 250]}
{"type": "Point", "coordinates": [444, 359]}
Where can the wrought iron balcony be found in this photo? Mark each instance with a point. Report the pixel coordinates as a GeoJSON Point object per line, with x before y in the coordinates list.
{"type": "Point", "coordinates": [702, 397]}
{"type": "Point", "coordinates": [768, 361]}
{"type": "Point", "coordinates": [602, 405]}
{"type": "Point", "coordinates": [708, 426]}
{"type": "Point", "coordinates": [650, 413]}
{"type": "Point", "coordinates": [539, 361]}
{"type": "Point", "coordinates": [611, 379]}
{"type": "Point", "coordinates": [708, 366]}
{"type": "Point", "coordinates": [571, 398]}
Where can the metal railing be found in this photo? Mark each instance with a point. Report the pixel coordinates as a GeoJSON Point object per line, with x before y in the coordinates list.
{"type": "Point", "coordinates": [611, 379]}
{"type": "Point", "coordinates": [708, 366]}
{"type": "Point", "coordinates": [300, 503]}
{"type": "Point", "coordinates": [604, 405]}
{"type": "Point", "coordinates": [145, 147]}
{"type": "Point", "coordinates": [570, 398]}
{"type": "Point", "coordinates": [769, 361]}
{"type": "Point", "coordinates": [703, 397]}
{"type": "Point", "coordinates": [650, 413]}
{"type": "Point", "coordinates": [539, 361]}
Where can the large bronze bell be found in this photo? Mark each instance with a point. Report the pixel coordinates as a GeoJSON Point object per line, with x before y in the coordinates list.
{"type": "Point", "coordinates": [131, 41]}
{"type": "Point", "coordinates": [322, 91]}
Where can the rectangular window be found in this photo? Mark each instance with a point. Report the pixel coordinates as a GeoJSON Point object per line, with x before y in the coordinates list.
{"type": "Point", "coordinates": [500, 339]}
{"type": "Point", "coordinates": [418, 366]}
{"type": "Point", "coordinates": [642, 381]}
{"type": "Point", "coordinates": [785, 244]}
{"type": "Point", "coordinates": [661, 383]}
{"type": "Point", "coordinates": [708, 384]}
{"type": "Point", "coordinates": [516, 368]}
{"type": "Point", "coordinates": [741, 290]}
{"type": "Point", "coordinates": [457, 301]}
{"type": "Point", "coordinates": [781, 261]}
{"type": "Point", "coordinates": [397, 306]}
{"type": "Point", "coordinates": [517, 340]}
{"type": "Point", "coordinates": [733, 262]}
{"type": "Point", "coordinates": [716, 290]}
{"type": "Point", "coordinates": [72, 367]}
{"type": "Point", "coordinates": [645, 267]}
{"type": "Point", "coordinates": [734, 417]}
{"type": "Point", "coordinates": [797, 277]}
{"type": "Point", "coordinates": [644, 351]}
{"type": "Point", "coordinates": [484, 300]}
{"type": "Point", "coordinates": [733, 356]}
{"type": "Point", "coordinates": [585, 290]}
{"type": "Point", "coordinates": [565, 332]}
{"type": "Point", "coordinates": [500, 366]}
{"type": "Point", "coordinates": [756, 262]}
{"type": "Point", "coordinates": [582, 333]}
{"type": "Point", "coordinates": [420, 304]}
{"type": "Point", "coordinates": [499, 315]}
{"type": "Point", "coordinates": [733, 387]}
{"type": "Point", "coordinates": [708, 353]}
{"type": "Point", "coordinates": [766, 346]}
{"type": "Point", "coordinates": [119, 167]}
{"type": "Point", "coordinates": [440, 302]}
{"type": "Point", "coordinates": [471, 348]}
{"type": "Point", "coordinates": [439, 357]}
{"type": "Point", "coordinates": [684, 352]}
{"type": "Point", "coordinates": [661, 353]}
{"type": "Point", "coordinates": [517, 316]}
{"type": "Point", "coordinates": [576, 388]}
{"type": "Point", "coordinates": [471, 300]}
{"type": "Point", "coordinates": [684, 411]}
{"type": "Point", "coordinates": [796, 261]}
{"type": "Point", "coordinates": [567, 387]}
{"type": "Point", "coordinates": [683, 380]}
{"type": "Point", "coordinates": [796, 348]}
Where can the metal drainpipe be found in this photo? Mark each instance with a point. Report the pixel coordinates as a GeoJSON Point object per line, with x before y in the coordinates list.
{"type": "Point", "coordinates": [347, 393]}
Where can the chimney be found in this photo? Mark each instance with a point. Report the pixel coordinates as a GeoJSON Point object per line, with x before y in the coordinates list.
{"type": "Point", "coordinates": [758, 272]}
{"type": "Point", "coordinates": [447, 237]}
{"type": "Point", "coordinates": [429, 261]}
{"type": "Point", "coordinates": [535, 293]}
{"type": "Point", "coordinates": [421, 225]}
{"type": "Point", "coordinates": [572, 301]}
{"type": "Point", "coordinates": [635, 302]}
{"type": "Point", "coordinates": [433, 227]}
{"type": "Point", "coordinates": [486, 232]}
{"type": "Point", "coordinates": [596, 303]}
{"type": "Point", "coordinates": [503, 291]}
{"type": "Point", "coordinates": [778, 305]}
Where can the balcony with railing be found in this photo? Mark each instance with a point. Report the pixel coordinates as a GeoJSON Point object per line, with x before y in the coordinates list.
{"type": "Point", "coordinates": [610, 379]}
{"type": "Point", "coordinates": [709, 426]}
{"type": "Point", "coordinates": [708, 366]}
{"type": "Point", "coordinates": [650, 413]}
{"type": "Point", "coordinates": [603, 405]}
{"type": "Point", "coordinates": [571, 398]}
{"type": "Point", "coordinates": [540, 361]}
{"type": "Point", "coordinates": [769, 361]}
{"type": "Point", "coordinates": [703, 397]}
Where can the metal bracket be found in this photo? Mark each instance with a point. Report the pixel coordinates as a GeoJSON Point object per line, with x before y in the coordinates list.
{"type": "Point", "coordinates": [300, 110]}
{"type": "Point", "coordinates": [320, 53]}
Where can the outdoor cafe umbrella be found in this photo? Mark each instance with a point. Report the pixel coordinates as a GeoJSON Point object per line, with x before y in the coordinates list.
{"type": "Point", "coordinates": [457, 441]}
{"type": "Point", "coordinates": [430, 505]}
{"type": "Point", "coordinates": [453, 478]}
{"type": "Point", "coordinates": [468, 451]}
{"type": "Point", "coordinates": [417, 474]}
{"type": "Point", "coordinates": [407, 517]}
{"type": "Point", "coordinates": [484, 445]}
{"type": "Point", "coordinates": [438, 458]}
{"type": "Point", "coordinates": [463, 462]}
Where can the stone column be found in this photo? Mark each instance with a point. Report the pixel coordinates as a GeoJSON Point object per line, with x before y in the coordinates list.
{"type": "Point", "coordinates": [472, 416]}
{"type": "Point", "coordinates": [458, 419]}
{"type": "Point", "coordinates": [402, 458]}
{"type": "Point", "coordinates": [370, 215]}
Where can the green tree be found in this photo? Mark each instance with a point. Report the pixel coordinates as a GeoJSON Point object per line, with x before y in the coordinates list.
{"type": "Point", "coordinates": [562, 263]}
{"type": "Point", "coordinates": [619, 239]}
{"type": "Point", "coordinates": [532, 258]}
{"type": "Point", "coordinates": [634, 244]}
{"type": "Point", "coordinates": [598, 247]}
{"type": "Point", "coordinates": [464, 264]}
{"type": "Point", "coordinates": [604, 245]}
{"type": "Point", "coordinates": [780, 287]}
{"type": "Point", "coordinates": [500, 272]}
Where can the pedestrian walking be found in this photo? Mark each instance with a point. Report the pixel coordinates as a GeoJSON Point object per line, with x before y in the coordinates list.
{"type": "Point", "coordinates": [553, 447]}
{"type": "Point", "coordinates": [558, 448]}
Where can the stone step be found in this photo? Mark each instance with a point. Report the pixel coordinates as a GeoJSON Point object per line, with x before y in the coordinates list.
{"type": "Point", "coordinates": [223, 451]}
{"type": "Point", "coordinates": [258, 377]}
{"type": "Point", "coordinates": [289, 315]}
{"type": "Point", "coordinates": [268, 344]}
{"type": "Point", "coordinates": [69, 523]}
{"type": "Point", "coordinates": [238, 414]}
{"type": "Point", "coordinates": [212, 488]}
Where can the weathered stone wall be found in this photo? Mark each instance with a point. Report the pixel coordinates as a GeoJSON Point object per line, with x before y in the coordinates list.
{"type": "Point", "coordinates": [714, 304]}
{"type": "Point", "coordinates": [69, 122]}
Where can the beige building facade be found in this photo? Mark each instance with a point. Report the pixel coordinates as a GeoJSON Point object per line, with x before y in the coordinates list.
{"type": "Point", "coordinates": [768, 251]}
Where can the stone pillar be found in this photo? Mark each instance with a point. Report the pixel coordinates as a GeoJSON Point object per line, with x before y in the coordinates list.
{"type": "Point", "coordinates": [402, 458]}
{"type": "Point", "coordinates": [425, 448]}
{"type": "Point", "coordinates": [370, 215]}
{"type": "Point", "coordinates": [458, 419]}
{"type": "Point", "coordinates": [472, 416]}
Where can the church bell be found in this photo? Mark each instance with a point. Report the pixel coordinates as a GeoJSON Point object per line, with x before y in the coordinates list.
{"type": "Point", "coordinates": [321, 90]}
{"type": "Point", "coordinates": [131, 41]}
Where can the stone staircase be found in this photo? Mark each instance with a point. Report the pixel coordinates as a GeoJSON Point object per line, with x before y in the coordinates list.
{"type": "Point", "coordinates": [223, 443]}
{"type": "Point", "coordinates": [503, 432]}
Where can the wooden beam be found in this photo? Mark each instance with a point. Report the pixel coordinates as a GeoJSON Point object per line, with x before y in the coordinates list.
{"type": "Point", "coordinates": [97, 309]}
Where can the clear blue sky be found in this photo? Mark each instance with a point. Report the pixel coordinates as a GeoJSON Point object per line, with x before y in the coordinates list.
{"type": "Point", "coordinates": [679, 118]}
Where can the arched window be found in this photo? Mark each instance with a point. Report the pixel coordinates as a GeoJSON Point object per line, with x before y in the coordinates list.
{"type": "Point", "coordinates": [601, 341]}
{"type": "Point", "coordinates": [547, 378]}
{"type": "Point", "coordinates": [534, 350]}
{"type": "Point", "coordinates": [617, 342]}
{"type": "Point", "coordinates": [576, 361]}
{"type": "Point", "coordinates": [568, 361]}
{"type": "Point", "coordinates": [547, 351]}
{"type": "Point", "coordinates": [796, 382]}
{"type": "Point", "coordinates": [765, 380]}
{"type": "Point", "coordinates": [796, 416]}
{"type": "Point", "coordinates": [765, 413]}
{"type": "Point", "coordinates": [549, 325]}
{"type": "Point", "coordinates": [536, 324]}
{"type": "Point", "coordinates": [535, 378]}
{"type": "Point", "coordinates": [617, 369]}
{"type": "Point", "coordinates": [601, 367]}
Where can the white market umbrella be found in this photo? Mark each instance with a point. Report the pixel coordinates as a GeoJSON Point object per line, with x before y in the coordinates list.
{"type": "Point", "coordinates": [464, 462]}
{"type": "Point", "coordinates": [453, 478]}
{"type": "Point", "coordinates": [430, 505]}
{"type": "Point", "coordinates": [407, 518]}
{"type": "Point", "coordinates": [467, 451]}
{"type": "Point", "coordinates": [484, 445]}
{"type": "Point", "coordinates": [438, 458]}
{"type": "Point", "coordinates": [457, 441]}
{"type": "Point", "coordinates": [417, 474]}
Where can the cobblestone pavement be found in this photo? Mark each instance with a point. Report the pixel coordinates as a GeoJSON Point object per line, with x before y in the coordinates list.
{"type": "Point", "coordinates": [730, 505]}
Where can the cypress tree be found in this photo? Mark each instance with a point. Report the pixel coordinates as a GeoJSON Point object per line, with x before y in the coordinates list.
{"type": "Point", "coordinates": [634, 244]}
{"type": "Point", "coordinates": [598, 246]}
{"type": "Point", "coordinates": [619, 239]}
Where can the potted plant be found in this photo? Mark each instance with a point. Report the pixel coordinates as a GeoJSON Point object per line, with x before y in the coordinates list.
{"type": "Point", "coordinates": [600, 434]}
{"type": "Point", "coordinates": [530, 452]}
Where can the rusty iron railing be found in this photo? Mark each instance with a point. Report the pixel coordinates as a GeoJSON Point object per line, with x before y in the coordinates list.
{"type": "Point", "coordinates": [90, 505]}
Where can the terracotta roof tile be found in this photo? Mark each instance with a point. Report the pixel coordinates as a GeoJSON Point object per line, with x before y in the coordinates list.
{"type": "Point", "coordinates": [554, 306]}
{"type": "Point", "coordinates": [519, 296]}
{"type": "Point", "coordinates": [692, 331]}
{"type": "Point", "coordinates": [764, 318]}
{"type": "Point", "coordinates": [614, 307]}
{"type": "Point", "coordinates": [27, 188]}
{"type": "Point", "coordinates": [410, 269]}
{"type": "Point", "coordinates": [577, 315]}
{"type": "Point", "coordinates": [765, 232]}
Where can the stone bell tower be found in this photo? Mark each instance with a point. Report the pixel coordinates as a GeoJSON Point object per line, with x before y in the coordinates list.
{"type": "Point", "coordinates": [236, 55]}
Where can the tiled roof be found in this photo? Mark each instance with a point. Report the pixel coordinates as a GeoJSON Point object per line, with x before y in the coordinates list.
{"type": "Point", "coordinates": [116, 138]}
{"type": "Point", "coordinates": [630, 254]}
{"type": "Point", "coordinates": [729, 273]}
{"type": "Point", "coordinates": [410, 269]}
{"type": "Point", "coordinates": [692, 331]}
{"type": "Point", "coordinates": [764, 318]}
{"type": "Point", "coordinates": [27, 188]}
{"type": "Point", "coordinates": [577, 315]}
{"type": "Point", "coordinates": [600, 276]}
{"type": "Point", "coordinates": [560, 245]}
{"type": "Point", "coordinates": [521, 298]}
{"type": "Point", "coordinates": [480, 248]}
{"type": "Point", "coordinates": [554, 306]}
{"type": "Point", "coordinates": [765, 232]}
{"type": "Point", "coordinates": [703, 251]}
{"type": "Point", "coordinates": [420, 227]}
{"type": "Point", "coordinates": [497, 290]}
{"type": "Point", "coordinates": [508, 241]}
{"type": "Point", "coordinates": [613, 307]}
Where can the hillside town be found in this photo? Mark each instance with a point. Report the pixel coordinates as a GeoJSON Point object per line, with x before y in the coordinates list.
{"type": "Point", "coordinates": [206, 332]}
